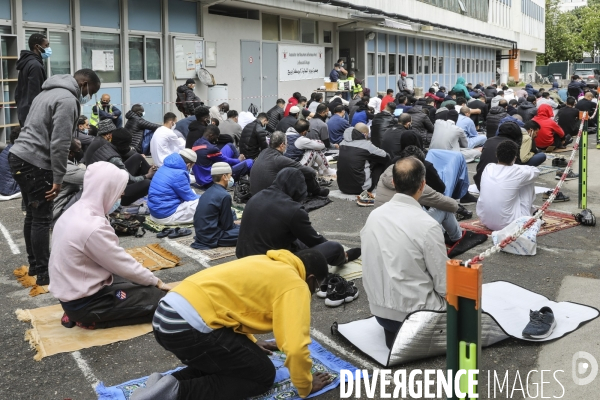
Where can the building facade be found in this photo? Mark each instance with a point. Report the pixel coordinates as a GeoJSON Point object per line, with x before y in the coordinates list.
{"type": "Point", "coordinates": [568, 5]}
{"type": "Point", "coordinates": [267, 49]}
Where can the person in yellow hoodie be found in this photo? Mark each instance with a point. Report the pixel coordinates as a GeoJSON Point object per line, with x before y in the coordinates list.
{"type": "Point", "coordinates": [209, 319]}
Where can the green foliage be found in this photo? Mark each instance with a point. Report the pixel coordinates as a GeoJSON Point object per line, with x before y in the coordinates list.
{"type": "Point", "coordinates": [569, 34]}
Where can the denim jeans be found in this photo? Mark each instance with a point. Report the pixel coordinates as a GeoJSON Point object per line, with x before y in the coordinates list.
{"type": "Point", "coordinates": [221, 364]}
{"type": "Point", "coordinates": [240, 169]}
{"type": "Point", "coordinates": [448, 222]}
{"type": "Point", "coordinates": [536, 160]}
{"type": "Point", "coordinates": [390, 328]}
{"type": "Point", "coordinates": [34, 183]}
{"type": "Point", "coordinates": [476, 141]}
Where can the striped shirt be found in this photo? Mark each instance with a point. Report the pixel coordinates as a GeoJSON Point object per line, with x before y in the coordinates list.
{"type": "Point", "coordinates": [167, 320]}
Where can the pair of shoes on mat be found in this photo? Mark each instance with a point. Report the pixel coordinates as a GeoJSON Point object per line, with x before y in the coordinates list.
{"type": "Point", "coordinates": [174, 233]}
{"type": "Point", "coordinates": [157, 387]}
{"type": "Point", "coordinates": [560, 162]}
{"type": "Point", "coordinates": [560, 196]}
{"type": "Point", "coordinates": [541, 324]}
{"type": "Point", "coordinates": [323, 182]}
{"type": "Point", "coordinates": [465, 243]}
{"type": "Point", "coordinates": [337, 291]}
{"type": "Point", "coordinates": [570, 176]}
{"type": "Point", "coordinates": [462, 213]}
{"type": "Point", "coordinates": [365, 199]}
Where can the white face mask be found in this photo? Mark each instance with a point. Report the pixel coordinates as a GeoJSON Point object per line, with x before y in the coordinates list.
{"type": "Point", "coordinates": [230, 183]}
{"type": "Point", "coordinates": [143, 113]}
{"type": "Point", "coordinates": [115, 206]}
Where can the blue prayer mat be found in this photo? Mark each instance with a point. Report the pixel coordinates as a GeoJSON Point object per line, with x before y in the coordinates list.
{"type": "Point", "coordinates": [323, 361]}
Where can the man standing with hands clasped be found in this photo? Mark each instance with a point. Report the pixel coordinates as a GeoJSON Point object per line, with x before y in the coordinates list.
{"type": "Point", "coordinates": [38, 159]}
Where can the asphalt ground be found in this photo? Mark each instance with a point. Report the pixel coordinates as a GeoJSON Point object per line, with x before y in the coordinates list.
{"type": "Point", "coordinates": [572, 252]}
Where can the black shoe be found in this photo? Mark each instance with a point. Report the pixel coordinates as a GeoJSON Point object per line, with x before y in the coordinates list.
{"type": "Point", "coordinates": [32, 271]}
{"type": "Point", "coordinates": [324, 182]}
{"type": "Point", "coordinates": [468, 199]}
{"type": "Point", "coordinates": [324, 192]}
{"type": "Point", "coordinates": [462, 213]}
{"type": "Point", "coordinates": [42, 279]}
{"type": "Point", "coordinates": [340, 293]}
{"type": "Point", "coordinates": [541, 324]}
{"type": "Point", "coordinates": [331, 279]}
{"type": "Point", "coordinates": [467, 242]}
{"type": "Point", "coordinates": [560, 162]}
{"type": "Point", "coordinates": [353, 254]}
{"type": "Point", "coordinates": [66, 322]}
{"type": "Point", "coordinates": [560, 196]}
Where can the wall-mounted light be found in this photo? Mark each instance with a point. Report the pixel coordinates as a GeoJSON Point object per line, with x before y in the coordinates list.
{"type": "Point", "coordinates": [370, 35]}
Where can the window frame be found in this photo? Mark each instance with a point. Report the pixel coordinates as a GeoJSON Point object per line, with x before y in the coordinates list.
{"type": "Point", "coordinates": [382, 66]}
{"type": "Point", "coordinates": [298, 30]}
{"type": "Point", "coordinates": [316, 25]}
{"type": "Point", "coordinates": [93, 29]}
{"type": "Point", "coordinates": [146, 35]}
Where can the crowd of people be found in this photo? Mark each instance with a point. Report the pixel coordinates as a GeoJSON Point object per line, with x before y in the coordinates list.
{"type": "Point", "coordinates": [402, 155]}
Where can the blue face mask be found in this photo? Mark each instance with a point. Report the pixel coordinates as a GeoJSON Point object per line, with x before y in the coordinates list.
{"type": "Point", "coordinates": [115, 206]}
{"type": "Point", "coordinates": [86, 131]}
{"type": "Point", "coordinates": [230, 183]}
{"type": "Point", "coordinates": [46, 53]}
{"type": "Point", "coordinates": [84, 99]}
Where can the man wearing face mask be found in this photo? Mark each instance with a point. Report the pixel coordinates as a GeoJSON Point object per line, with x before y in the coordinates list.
{"type": "Point", "coordinates": [104, 110]}
{"type": "Point", "coordinates": [214, 222]}
{"type": "Point", "coordinates": [83, 132]}
{"type": "Point", "coordinates": [197, 127]}
{"type": "Point", "coordinates": [73, 179]}
{"type": "Point", "coordinates": [171, 200]}
{"type": "Point", "coordinates": [208, 153]}
{"type": "Point", "coordinates": [32, 74]}
{"type": "Point", "coordinates": [254, 137]}
{"type": "Point", "coordinates": [38, 159]}
{"type": "Point", "coordinates": [165, 142]}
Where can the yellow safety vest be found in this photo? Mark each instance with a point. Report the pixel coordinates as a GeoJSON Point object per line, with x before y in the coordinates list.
{"type": "Point", "coordinates": [95, 117]}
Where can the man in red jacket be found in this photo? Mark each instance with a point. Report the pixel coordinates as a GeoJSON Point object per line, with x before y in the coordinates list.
{"type": "Point", "coordinates": [550, 134]}
{"type": "Point", "coordinates": [389, 97]}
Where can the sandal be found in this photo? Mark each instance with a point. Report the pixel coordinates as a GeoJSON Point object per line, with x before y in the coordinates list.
{"type": "Point", "coordinates": [180, 232]}
{"type": "Point", "coordinates": [165, 232]}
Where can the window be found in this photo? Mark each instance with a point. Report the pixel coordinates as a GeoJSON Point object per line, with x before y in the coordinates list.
{"type": "Point", "coordinates": [426, 65]}
{"type": "Point", "coordinates": [458, 70]}
{"type": "Point", "coordinates": [392, 65]}
{"type": "Point", "coordinates": [289, 29]}
{"type": "Point", "coordinates": [381, 63]}
{"type": "Point", "coordinates": [464, 65]}
{"type": "Point", "coordinates": [419, 65]}
{"type": "Point", "coordinates": [370, 63]}
{"type": "Point", "coordinates": [477, 66]}
{"type": "Point", "coordinates": [434, 65]}
{"type": "Point", "coordinates": [402, 63]}
{"type": "Point", "coordinates": [326, 36]}
{"type": "Point", "coordinates": [136, 58]}
{"type": "Point", "coordinates": [411, 65]}
{"type": "Point", "coordinates": [309, 31]}
{"type": "Point", "coordinates": [60, 42]}
{"type": "Point", "coordinates": [468, 66]}
{"type": "Point", "coordinates": [270, 27]}
{"type": "Point", "coordinates": [102, 41]}
{"type": "Point", "coordinates": [441, 65]}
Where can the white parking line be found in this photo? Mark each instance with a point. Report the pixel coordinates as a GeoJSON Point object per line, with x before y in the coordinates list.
{"type": "Point", "coordinates": [85, 370]}
{"type": "Point", "coordinates": [361, 362]}
{"type": "Point", "coordinates": [13, 247]}
{"type": "Point", "coordinates": [188, 251]}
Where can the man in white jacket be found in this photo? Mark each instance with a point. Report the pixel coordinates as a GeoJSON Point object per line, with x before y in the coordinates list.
{"type": "Point", "coordinates": [165, 141]}
{"type": "Point", "coordinates": [306, 151]}
{"type": "Point", "coordinates": [404, 257]}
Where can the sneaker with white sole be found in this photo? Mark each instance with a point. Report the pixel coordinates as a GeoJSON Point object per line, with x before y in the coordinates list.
{"type": "Point", "coordinates": [340, 292]}
{"type": "Point", "coordinates": [541, 324]}
{"type": "Point", "coordinates": [333, 279]}
{"type": "Point", "coordinates": [365, 199]}
{"type": "Point", "coordinates": [570, 176]}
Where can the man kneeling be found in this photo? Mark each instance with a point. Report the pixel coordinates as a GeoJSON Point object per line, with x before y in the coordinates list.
{"type": "Point", "coordinates": [404, 257]}
{"type": "Point", "coordinates": [99, 285]}
{"type": "Point", "coordinates": [208, 322]}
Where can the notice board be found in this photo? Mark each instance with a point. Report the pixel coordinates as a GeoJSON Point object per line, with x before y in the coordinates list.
{"type": "Point", "coordinates": [188, 57]}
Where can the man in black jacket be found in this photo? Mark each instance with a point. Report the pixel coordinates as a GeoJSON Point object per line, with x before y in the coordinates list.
{"type": "Point", "coordinates": [187, 101]}
{"type": "Point", "coordinates": [254, 137]}
{"type": "Point", "coordinates": [421, 123]}
{"type": "Point", "coordinates": [32, 74]}
{"type": "Point", "coordinates": [275, 219]}
{"type": "Point", "coordinates": [271, 161]}
{"type": "Point", "coordinates": [568, 118]}
{"type": "Point", "coordinates": [496, 115]}
{"type": "Point", "coordinates": [586, 104]}
{"type": "Point", "coordinates": [527, 110]}
{"type": "Point", "coordinates": [382, 122]}
{"type": "Point", "coordinates": [198, 127]}
{"type": "Point", "coordinates": [136, 125]}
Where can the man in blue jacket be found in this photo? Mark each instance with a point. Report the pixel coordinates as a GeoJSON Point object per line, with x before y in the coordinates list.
{"type": "Point", "coordinates": [214, 220]}
{"type": "Point", "coordinates": [334, 75]}
{"type": "Point", "coordinates": [171, 200]}
{"type": "Point", "coordinates": [336, 125]}
{"type": "Point", "coordinates": [208, 153]}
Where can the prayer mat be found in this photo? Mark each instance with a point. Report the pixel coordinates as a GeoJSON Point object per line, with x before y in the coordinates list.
{"type": "Point", "coordinates": [555, 221]}
{"type": "Point", "coordinates": [314, 203]}
{"type": "Point", "coordinates": [49, 337]}
{"type": "Point", "coordinates": [505, 314]}
{"type": "Point", "coordinates": [212, 254]}
{"type": "Point", "coordinates": [29, 281]}
{"type": "Point", "coordinates": [154, 257]}
{"type": "Point", "coordinates": [555, 150]}
{"type": "Point", "coordinates": [156, 227]}
{"type": "Point", "coordinates": [323, 361]}
{"type": "Point", "coordinates": [350, 271]}
{"type": "Point", "coordinates": [547, 169]}
{"type": "Point", "coordinates": [343, 196]}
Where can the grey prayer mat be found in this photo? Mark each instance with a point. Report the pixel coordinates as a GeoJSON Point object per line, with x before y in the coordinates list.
{"type": "Point", "coordinates": [505, 314]}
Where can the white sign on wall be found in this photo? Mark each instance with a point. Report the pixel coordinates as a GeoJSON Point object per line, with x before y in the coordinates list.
{"type": "Point", "coordinates": [301, 62]}
{"type": "Point", "coordinates": [103, 60]}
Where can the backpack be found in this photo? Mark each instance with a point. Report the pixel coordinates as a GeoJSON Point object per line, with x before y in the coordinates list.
{"type": "Point", "coordinates": [180, 102]}
{"type": "Point", "coordinates": [145, 144]}
{"type": "Point", "coordinates": [127, 224]}
{"type": "Point", "coordinates": [253, 109]}
{"type": "Point", "coordinates": [241, 192]}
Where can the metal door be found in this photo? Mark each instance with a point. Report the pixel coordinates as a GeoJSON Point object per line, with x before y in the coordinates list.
{"type": "Point", "coordinates": [270, 75]}
{"type": "Point", "coordinates": [251, 78]}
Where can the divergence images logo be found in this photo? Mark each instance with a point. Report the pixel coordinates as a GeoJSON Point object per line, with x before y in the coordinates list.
{"type": "Point", "coordinates": [584, 364]}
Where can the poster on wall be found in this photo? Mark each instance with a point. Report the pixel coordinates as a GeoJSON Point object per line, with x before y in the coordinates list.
{"type": "Point", "coordinates": [103, 60]}
{"type": "Point", "coordinates": [301, 62]}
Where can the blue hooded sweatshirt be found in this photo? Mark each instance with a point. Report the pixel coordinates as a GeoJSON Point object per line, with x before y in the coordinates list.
{"type": "Point", "coordinates": [510, 119]}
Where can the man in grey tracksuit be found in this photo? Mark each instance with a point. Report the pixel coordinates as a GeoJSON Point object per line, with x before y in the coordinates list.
{"type": "Point", "coordinates": [38, 159]}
